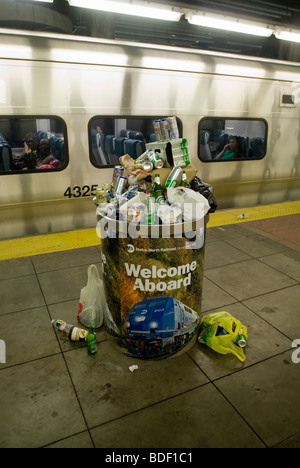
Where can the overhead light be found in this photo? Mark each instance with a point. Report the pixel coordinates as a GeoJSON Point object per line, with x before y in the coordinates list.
{"type": "Point", "coordinates": [288, 36]}
{"type": "Point", "coordinates": [45, 1]}
{"type": "Point", "coordinates": [135, 8]}
{"type": "Point", "coordinates": [229, 24]}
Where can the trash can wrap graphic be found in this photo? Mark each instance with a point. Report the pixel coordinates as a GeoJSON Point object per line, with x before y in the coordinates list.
{"type": "Point", "coordinates": [153, 288]}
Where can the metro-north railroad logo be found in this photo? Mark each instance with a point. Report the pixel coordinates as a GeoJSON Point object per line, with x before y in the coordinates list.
{"type": "Point", "coordinates": [2, 352]}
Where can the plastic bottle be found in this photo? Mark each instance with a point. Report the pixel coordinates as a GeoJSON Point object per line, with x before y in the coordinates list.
{"type": "Point", "coordinates": [91, 342]}
{"type": "Point", "coordinates": [157, 190]}
{"type": "Point", "coordinates": [73, 333]}
{"type": "Point", "coordinates": [184, 181]}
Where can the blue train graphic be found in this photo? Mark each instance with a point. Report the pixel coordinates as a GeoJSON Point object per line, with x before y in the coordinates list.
{"type": "Point", "coordinates": [159, 326]}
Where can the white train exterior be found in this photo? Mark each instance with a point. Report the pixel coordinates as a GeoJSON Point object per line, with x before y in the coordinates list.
{"type": "Point", "coordinates": [77, 79]}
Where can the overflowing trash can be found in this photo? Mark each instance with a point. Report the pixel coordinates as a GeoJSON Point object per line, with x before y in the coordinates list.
{"type": "Point", "coordinates": [152, 234]}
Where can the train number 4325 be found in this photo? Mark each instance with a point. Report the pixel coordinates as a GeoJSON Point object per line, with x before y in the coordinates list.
{"type": "Point", "coordinates": [84, 191]}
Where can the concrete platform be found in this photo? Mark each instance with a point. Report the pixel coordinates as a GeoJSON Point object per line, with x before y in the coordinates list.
{"type": "Point", "coordinates": [53, 394]}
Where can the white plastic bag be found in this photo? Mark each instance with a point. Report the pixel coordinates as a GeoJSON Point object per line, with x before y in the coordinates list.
{"type": "Point", "coordinates": [91, 303]}
{"type": "Point", "coordinates": [193, 205]}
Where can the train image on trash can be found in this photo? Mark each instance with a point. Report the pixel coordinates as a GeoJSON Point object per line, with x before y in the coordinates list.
{"type": "Point", "coordinates": [159, 326]}
{"type": "Point", "coordinates": [96, 99]}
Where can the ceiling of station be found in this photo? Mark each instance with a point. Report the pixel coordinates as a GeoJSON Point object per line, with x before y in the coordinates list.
{"type": "Point", "coordinates": [270, 11]}
{"type": "Point", "coordinates": [87, 22]}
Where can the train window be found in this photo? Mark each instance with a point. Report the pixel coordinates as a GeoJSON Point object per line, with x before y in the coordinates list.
{"type": "Point", "coordinates": [31, 144]}
{"type": "Point", "coordinates": [231, 139]}
{"type": "Point", "coordinates": [112, 137]}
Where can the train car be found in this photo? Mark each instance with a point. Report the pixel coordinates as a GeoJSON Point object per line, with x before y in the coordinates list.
{"type": "Point", "coordinates": [94, 99]}
{"type": "Point", "coordinates": [159, 326]}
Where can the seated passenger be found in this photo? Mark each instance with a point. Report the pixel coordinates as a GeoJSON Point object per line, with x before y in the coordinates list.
{"type": "Point", "coordinates": [45, 157]}
{"type": "Point", "coordinates": [231, 151]}
{"type": "Point", "coordinates": [55, 163]}
{"type": "Point", "coordinates": [31, 145]}
{"type": "Point", "coordinates": [30, 160]}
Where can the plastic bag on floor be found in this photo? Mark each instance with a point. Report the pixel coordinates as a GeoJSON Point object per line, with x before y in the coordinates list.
{"type": "Point", "coordinates": [91, 303]}
{"type": "Point", "coordinates": [224, 334]}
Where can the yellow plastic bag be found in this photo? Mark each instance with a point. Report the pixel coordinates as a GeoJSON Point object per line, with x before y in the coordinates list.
{"type": "Point", "coordinates": [222, 332]}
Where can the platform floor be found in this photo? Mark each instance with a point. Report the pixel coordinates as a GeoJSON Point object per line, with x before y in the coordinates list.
{"type": "Point", "coordinates": [52, 394]}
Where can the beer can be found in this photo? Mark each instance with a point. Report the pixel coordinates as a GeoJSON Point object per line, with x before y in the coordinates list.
{"type": "Point", "coordinates": [241, 339]}
{"type": "Point", "coordinates": [174, 177]}
{"type": "Point", "coordinates": [101, 196]}
{"type": "Point", "coordinates": [107, 186]}
{"type": "Point", "coordinates": [121, 185]}
{"type": "Point", "coordinates": [111, 210]}
{"type": "Point", "coordinates": [174, 132]}
{"type": "Point", "coordinates": [136, 212]}
{"type": "Point", "coordinates": [157, 130]}
{"type": "Point", "coordinates": [143, 157]}
{"type": "Point", "coordinates": [138, 164]}
{"type": "Point", "coordinates": [147, 166]}
{"type": "Point", "coordinates": [165, 129]}
{"type": "Point", "coordinates": [155, 160]}
{"type": "Point", "coordinates": [109, 194]}
{"type": "Point", "coordinates": [118, 171]}
{"type": "Point", "coordinates": [108, 190]}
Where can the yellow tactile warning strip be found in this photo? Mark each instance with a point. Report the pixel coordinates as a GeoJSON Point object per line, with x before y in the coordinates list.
{"type": "Point", "coordinates": [36, 245]}
{"type": "Point", "coordinates": [25, 247]}
{"type": "Point", "coordinates": [239, 215]}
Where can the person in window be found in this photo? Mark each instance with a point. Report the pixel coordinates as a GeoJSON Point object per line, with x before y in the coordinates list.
{"type": "Point", "coordinates": [31, 145]}
{"type": "Point", "coordinates": [45, 157]}
{"type": "Point", "coordinates": [31, 142]}
{"type": "Point", "coordinates": [230, 151]}
{"type": "Point", "coordinates": [55, 163]}
{"type": "Point", "coordinates": [30, 160]}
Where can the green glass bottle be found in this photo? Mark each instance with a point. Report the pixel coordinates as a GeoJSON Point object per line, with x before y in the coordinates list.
{"type": "Point", "coordinates": [157, 190]}
{"type": "Point", "coordinates": [91, 342]}
{"type": "Point", "coordinates": [184, 181]}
